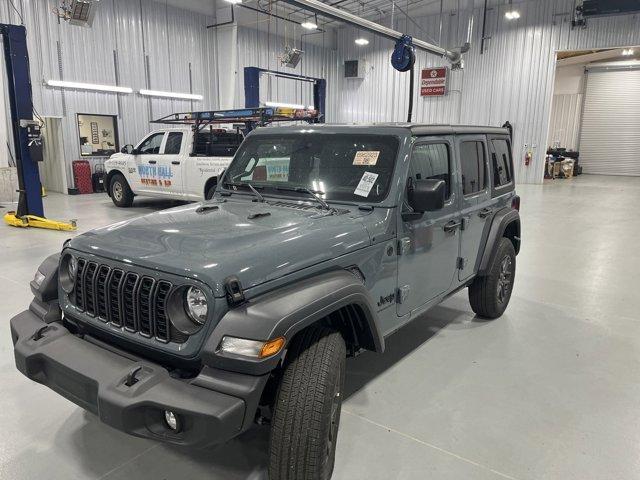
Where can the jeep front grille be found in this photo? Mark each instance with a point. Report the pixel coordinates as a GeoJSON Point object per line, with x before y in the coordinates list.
{"type": "Point", "coordinates": [124, 299]}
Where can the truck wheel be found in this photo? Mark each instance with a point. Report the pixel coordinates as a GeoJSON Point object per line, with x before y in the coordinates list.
{"type": "Point", "coordinates": [489, 295]}
{"type": "Point", "coordinates": [306, 413]}
{"type": "Point", "coordinates": [121, 194]}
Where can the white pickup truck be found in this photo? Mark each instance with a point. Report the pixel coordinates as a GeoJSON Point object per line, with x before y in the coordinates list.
{"type": "Point", "coordinates": [175, 163]}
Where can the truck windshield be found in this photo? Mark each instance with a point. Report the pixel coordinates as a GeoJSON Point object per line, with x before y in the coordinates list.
{"type": "Point", "coordinates": [338, 167]}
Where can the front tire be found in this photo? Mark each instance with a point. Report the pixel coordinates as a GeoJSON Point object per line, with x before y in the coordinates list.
{"type": "Point", "coordinates": [489, 295]}
{"type": "Point", "coordinates": [121, 193]}
{"type": "Point", "coordinates": [306, 413]}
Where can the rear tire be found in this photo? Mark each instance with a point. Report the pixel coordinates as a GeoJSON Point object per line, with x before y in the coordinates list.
{"type": "Point", "coordinates": [489, 295]}
{"type": "Point", "coordinates": [121, 193]}
{"type": "Point", "coordinates": [210, 191]}
{"type": "Point", "coordinates": [306, 413]}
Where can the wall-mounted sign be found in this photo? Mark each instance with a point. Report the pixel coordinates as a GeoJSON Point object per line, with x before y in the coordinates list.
{"type": "Point", "coordinates": [433, 82]}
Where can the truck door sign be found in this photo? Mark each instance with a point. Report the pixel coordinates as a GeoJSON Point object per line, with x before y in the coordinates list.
{"type": "Point", "coordinates": [157, 175]}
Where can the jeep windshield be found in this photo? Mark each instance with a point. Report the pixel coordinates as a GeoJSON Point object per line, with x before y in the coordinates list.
{"type": "Point", "coordinates": [338, 167]}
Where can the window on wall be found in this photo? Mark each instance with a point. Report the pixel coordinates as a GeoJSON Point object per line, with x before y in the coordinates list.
{"type": "Point", "coordinates": [174, 142]}
{"type": "Point", "coordinates": [501, 158]}
{"type": "Point", "coordinates": [431, 161]}
{"type": "Point", "coordinates": [98, 135]}
{"type": "Point", "coordinates": [472, 161]}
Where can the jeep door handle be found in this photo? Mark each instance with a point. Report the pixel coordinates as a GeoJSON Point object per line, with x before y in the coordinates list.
{"type": "Point", "coordinates": [485, 212]}
{"type": "Point", "coordinates": [451, 226]}
{"type": "Point", "coordinates": [152, 162]}
{"type": "Point", "coordinates": [175, 162]}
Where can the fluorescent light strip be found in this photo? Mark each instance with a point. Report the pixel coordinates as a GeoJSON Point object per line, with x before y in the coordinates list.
{"type": "Point", "coordinates": [158, 93]}
{"type": "Point", "coordinates": [89, 86]}
{"type": "Point", "coordinates": [284, 105]}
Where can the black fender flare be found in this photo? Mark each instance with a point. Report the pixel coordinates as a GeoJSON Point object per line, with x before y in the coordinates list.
{"type": "Point", "coordinates": [45, 295]}
{"type": "Point", "coordinates": [286, 311]}
{"type": "Point", "coordinates": [501, 220]}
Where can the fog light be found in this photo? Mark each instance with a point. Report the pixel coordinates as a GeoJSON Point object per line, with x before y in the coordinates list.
{"type": "Point", "coordinates": [172, 420]}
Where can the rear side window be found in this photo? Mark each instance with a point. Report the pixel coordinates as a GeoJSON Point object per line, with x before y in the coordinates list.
{"type": "Point", "coordinates": [174, 141]}
{"type": "Point", "coordinates": [472, 162]}
{"type": "Point", "coordinates": [217, 143]}
{"type": "Point", "coordinates": [501, 159]}
{"type": "Point", "coordinates": [431, 161]}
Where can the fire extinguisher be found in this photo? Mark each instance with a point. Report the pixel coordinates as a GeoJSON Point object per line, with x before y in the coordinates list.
{"type": "Point", "coordinates": [527, 157]}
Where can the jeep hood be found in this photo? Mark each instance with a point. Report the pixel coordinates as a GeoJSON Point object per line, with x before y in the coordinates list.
{"type": "Point", "coordinates": [210, 241]}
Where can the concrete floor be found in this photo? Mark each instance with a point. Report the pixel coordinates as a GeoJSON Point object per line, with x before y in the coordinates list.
{"type": "Point", "coordinates": [550, 390]}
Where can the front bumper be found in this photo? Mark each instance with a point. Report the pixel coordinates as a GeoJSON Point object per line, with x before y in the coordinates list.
{"type": "Point", "coordinates": [96, 378]}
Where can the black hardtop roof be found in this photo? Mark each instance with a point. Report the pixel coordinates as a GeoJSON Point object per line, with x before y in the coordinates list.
{"type": "Point", "coordinates": [388, 127]}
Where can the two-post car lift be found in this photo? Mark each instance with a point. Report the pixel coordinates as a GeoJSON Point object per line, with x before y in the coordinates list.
{"type": "Point", "coordinates": [26, 134]}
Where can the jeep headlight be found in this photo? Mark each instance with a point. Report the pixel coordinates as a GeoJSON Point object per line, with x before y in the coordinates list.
{"type": "Point", "coordinates": [68, 268]}
{"type": "Point", "coordinates": [188, 307]}
{"type": "Point", "coordinates": [196, 305]}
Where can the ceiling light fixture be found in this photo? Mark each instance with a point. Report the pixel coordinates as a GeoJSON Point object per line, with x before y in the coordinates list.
{"type": "Point", "coordinates": [310, 23]}
{"type": "Point", "coordinates": [361, 41]}
{"type": "Point", "coordinates": [88, 86]}
{"type": "Point", "coordinates": [233, 2]}
{"type": "Point", "coordinates": [158, 93]}
{"type": "Point", "coordinates": [627, 51]}
{"type": "Point", "coordinates": [512, 15]}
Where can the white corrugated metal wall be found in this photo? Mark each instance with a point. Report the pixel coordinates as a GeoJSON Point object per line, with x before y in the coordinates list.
{"type": "Point", "coordinates": [125, 36]}
{"type": "Point", "coordinates": [130, 37]}
{"type": "Point", "coordinates": [564, 126]}
{"type": "Point", "coordinates": [610, 134]}
{"type": "Point", "coordinates": [512, 80]}
{"type": "Point", "coordinates": [256, 48]}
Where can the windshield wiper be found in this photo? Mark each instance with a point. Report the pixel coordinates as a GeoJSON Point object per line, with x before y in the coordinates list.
{"type": "Point", "coordinates": [314, 193]}
{"type": "Point", "coordinates": [257, 194]}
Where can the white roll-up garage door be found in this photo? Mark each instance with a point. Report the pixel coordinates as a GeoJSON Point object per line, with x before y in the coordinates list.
{"type": "Point", "coordinates": [610, 133]}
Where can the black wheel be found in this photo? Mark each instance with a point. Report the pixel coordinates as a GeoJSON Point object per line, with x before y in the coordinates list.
{"type": "Point", "coordinates": [306, 413]}
{"type": "Point", "coordinates": [121, 194]}
{"type": "Point", "coordinates": [210, 191]}
{"type": "Point", "coordinates": [489, 295]}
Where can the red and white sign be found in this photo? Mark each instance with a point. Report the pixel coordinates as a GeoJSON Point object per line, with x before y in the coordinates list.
{"type": "Point", "coordinates": [433, 82]}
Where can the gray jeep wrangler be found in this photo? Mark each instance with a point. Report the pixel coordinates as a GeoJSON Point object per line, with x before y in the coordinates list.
{"type": "Point", "coordinates": [191, 324]}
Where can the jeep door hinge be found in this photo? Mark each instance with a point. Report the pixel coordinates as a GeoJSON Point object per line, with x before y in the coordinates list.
{"type": "Point", "coordinates": [404, 246]}
{"type": "Point", "coordinates": [461, 263]}
{"type": "Point", "coordinates": [403, 293]}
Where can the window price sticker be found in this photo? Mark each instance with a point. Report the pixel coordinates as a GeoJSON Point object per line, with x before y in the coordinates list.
{"type": "Point", "coordinates": [366, 184]}
{"type": "Point", "coordinates": [366, 157]}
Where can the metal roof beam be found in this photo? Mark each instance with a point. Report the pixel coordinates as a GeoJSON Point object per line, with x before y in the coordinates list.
{"type": "Point", "coordinates": [325, 10]}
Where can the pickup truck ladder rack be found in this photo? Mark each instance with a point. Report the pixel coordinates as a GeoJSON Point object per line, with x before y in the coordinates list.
{"type": "Point", "coordinates": [250, 117]}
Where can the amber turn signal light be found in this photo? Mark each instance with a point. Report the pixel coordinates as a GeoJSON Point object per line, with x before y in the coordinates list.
{"type": "Point", "coordinates": [271, 347]}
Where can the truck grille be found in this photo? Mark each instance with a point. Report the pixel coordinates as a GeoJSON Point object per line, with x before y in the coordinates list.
{"type": "Point", "coordinates": [124, 299]}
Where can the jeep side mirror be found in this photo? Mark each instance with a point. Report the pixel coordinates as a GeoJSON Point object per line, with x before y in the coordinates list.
{"type": "Point", "coordinates": [427, 195]}
{"type": "Point", "coordinates": [128, 149]}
